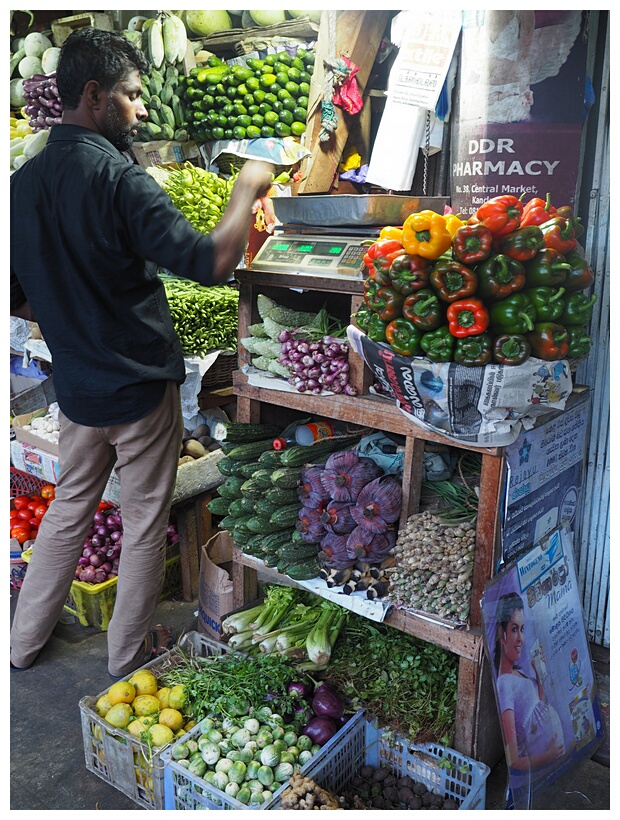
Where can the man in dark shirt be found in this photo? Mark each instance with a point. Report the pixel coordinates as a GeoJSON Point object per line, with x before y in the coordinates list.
{"type": "Point", "coordinates": [88, 231]}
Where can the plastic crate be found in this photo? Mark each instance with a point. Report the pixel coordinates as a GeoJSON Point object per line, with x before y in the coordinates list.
{"type": "Point", "coordinates": [93, 604]}
{"type": "Point", "coordinates": [464, 781]}
{"type": "Point", "coordinates": [184, 791]}
{"type": "Point", "coordinates": [123, 760]}
{"type": "Point", "coordinates": [25, 484]}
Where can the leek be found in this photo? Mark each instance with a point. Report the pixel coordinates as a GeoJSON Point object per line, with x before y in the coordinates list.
{"type": "Point", "coordinates": [240, 621]}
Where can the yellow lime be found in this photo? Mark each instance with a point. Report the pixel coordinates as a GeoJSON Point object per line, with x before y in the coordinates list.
{"type": "Point", "coordinates": [144, 681]}
{"type": "Point", "coordinates": [172, 718]}
{"type": "Point", "coordinates": [160, 734]}
{"type": "Point", "coordinates": [162, 696]}
{"type": "Point", "coordinates": [121, 692]}
{"type": "Point", "coordinates": [136, 727]}
{"type": "Point", "coordinates": [119, 715]}
{"type": "Point", "coordinates": [145, 705]}
{"type": "Point", "coordinates": [148, 720]}
{"type": "Point", "coordinates": [177, 697]}
{"type": "Point", "coordinates": [103, 705]}
{"type": "Point", "coordinates": [189, 725]}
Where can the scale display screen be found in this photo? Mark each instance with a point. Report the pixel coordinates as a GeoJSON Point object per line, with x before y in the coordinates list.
{"type": "Point", "coordinates": [334, 256]}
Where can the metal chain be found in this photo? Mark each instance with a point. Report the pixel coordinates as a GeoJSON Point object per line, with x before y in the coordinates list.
{"type": "Point", "coordinates": [427, 148]}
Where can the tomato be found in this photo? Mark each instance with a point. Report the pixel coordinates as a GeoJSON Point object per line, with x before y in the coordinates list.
{"type": "Point", "coordinates": [20, 502]}
{"type": "Point", "coordinates": [48, 491]}
{"type": "Point", "coordinates": [32, 506]}
{"type": "Point", "coordinates": [24, 514]}
{"type": "Point", "coordinates": [40, 511]}
{"type": "Point", "coordinates": [13, 514]}
{"type": "Point", "coordinates": [105, 505]}
{"type": "Point", "coordinates": [34, 523]}
{"type": "Point", "coordinates": [20, 533]}
{"type": "Point", "coordinates": [36, 499]}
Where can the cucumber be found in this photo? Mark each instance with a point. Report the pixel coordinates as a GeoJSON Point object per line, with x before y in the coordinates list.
{"type": "Point", "coordinates": [303, 571]}
{"type": "Point", "coordinates": [240, 432]}
{"type": "Point", "coordinates": [219, 505]}
{"type": "Point", "coordinates": [240, 538]}
{"type": "Point", "coordinates": [281, 495]}
{"type": "Point", "coordinates": [286, 477]}
{"type": "Point", "coordinates": [251, 450]}
{"type": "Point", "coordinates": [286, 516]}
{"type": "Point", "coordinates": [229, 466]}
{"type": "Point", "coordinates": [299, 454]}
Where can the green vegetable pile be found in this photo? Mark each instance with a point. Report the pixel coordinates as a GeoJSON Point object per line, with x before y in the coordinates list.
{"type": "Point", "coordinates": [200, 195]}
{"type": "Point", "coordinates": [264, 98]}
{"type": "Point", "coordinates": [204, 318]}
{"type": "Point", "coordinates": [407, 684]}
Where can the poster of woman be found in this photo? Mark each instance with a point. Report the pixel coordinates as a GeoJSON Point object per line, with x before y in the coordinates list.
{"type": "Point", "coordinates": [543, 678]}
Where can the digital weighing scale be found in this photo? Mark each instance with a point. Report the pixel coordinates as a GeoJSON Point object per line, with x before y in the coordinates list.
{"type": "Point", "coordinates": [317, 255]}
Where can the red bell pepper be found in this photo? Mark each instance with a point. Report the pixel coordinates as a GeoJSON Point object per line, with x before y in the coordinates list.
{"type": "Point", "coordinates": [559, 234]}
{"type": "Point", "coordinates": [548, 341]}
{"type": "Point", "coordinates": [537, 211]}
{"type": "Point", "coordinates": [511, 349]}
{"type": "Point", "coordinates": [472, 244]}
{"type": "Point", "coordinates": [501, 214]}
{"type": "Point", "coordinates": [467, 317]}
{"type": "Point", "coordinates": [379, 257]}
{"type": "Point", "coordinates": [522, 244]}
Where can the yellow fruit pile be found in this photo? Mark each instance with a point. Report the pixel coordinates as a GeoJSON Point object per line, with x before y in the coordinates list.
{"type": "Point", "coordinates": [144, 709]}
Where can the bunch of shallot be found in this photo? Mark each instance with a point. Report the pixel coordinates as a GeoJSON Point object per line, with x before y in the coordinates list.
{"type": "Point", "coordinates": [43, 103]}
{"type": "Point", "coordinates": [316, 366]}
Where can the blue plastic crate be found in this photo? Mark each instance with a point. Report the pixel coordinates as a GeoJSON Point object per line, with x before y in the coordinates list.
{"type": "Point", "coordinates": [464, 781]}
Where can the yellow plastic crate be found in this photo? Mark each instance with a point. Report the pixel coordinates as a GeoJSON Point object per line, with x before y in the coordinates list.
{"type": "Point", "coordinates": [93, 604]}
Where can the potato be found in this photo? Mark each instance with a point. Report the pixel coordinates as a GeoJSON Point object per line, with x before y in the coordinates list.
{"type": "Point", "coordinates": [194, 448]}
{"type": "Point", "coordinates": [185, 459]}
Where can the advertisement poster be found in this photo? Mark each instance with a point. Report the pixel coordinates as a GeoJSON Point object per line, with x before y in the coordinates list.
{"type": "Point", "coordinates": [521, 106]}
{"type": "Point", "coordinates": [544, 475]}
{"type": "Point", "coordinates": [544, 683]}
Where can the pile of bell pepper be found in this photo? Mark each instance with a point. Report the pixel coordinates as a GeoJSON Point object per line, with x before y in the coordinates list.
{"type": "Point", "coordinates": [507, 284]}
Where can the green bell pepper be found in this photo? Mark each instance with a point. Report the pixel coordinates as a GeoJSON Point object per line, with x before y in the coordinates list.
{"type": "Point", "coordinates": [548, 302]}
{"type": "Point", "coordinates": [522, 244]}
{"type": "Point", "coordinates": [514, 314]}
{"type": "Point", "coordinates": [499, 276]}
{"type": "Point", "coordinates": [424, 309]}
{"type": "Point", "coordinates": [387, 303]}
{"type": "Point", "coordinates": [473, 351]}
{"type": "Point", "coordinates": [376, 328]}
{"type": "Point", "coordinates": [403, 337]}
{"type": "Point", "coordinates": [511, 349]}
{"type": "Point", "coordinates": [579, 341]}
{"type": "Point", "coordinates": [409, 273]}
{"type": "Point", "coordinates": [580, 275]}
{"type": "Point", "coordinates": [577, 309]}
{"type": "Point", "coordinates": [362, 317]}
{"type": "Point", "coordinates": [438, 344]}
{"type": "Point", "coordinates": [548, 268]}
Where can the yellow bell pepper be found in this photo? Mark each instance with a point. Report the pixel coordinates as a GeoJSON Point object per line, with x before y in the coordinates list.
{"type": "Point", "coordinates": [453, 223]}
{"type": "Point", "coordinates": [425, 234]}
{"type": "Point", "coordinates": [388, 232]}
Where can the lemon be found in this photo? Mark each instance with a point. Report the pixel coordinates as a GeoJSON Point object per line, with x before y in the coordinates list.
{"type": "Point", "coordinates": [144, 681]}
{"type": "Point", "coordinates": [121, 692]}
{"type": "Point", "coordinates": [148, 720]}
{"type": "Point", "coordinates": [162, 695]}
{"type": "Point", "coordinates": [189, 725]}
{"type": "Point", "coordinates": [145, 705]}
{"type": "Point", "coordinates": [119, 715]}
{"type": "Point", "coordinates": [103, 705]}
{"type": "Point", "coordinates": [177, 697]}
{"type": "Point", "coordinates": [172, 718]}
{"type": "Point", "coordinates": [136, 727]}
{"type": "Point", "coordinates": [160, 734]}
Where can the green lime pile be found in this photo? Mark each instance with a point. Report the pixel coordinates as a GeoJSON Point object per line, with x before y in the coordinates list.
{"type": "Point", "coordinates": [266, 98]}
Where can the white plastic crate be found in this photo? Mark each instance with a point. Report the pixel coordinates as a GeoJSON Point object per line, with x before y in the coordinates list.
{"type": "Point", "coordinates": [185, 791]}
{"type": "Point", "coordinates": [364, 744]}
{"type": "Point", "coordinates": [123, 760]}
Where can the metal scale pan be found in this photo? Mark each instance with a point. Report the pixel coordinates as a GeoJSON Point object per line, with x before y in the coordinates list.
{"type": "Point", "coordinates": [329, 235]}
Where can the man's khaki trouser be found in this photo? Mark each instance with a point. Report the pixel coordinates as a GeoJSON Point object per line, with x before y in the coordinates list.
{"type": "Point", "coordinates": [145, 456]}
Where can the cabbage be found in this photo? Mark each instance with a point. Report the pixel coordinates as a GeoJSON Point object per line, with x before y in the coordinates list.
{"type": "Point", "coordinates": [267, 18]}
{"type": "Point", "coordinates": [205, 22]}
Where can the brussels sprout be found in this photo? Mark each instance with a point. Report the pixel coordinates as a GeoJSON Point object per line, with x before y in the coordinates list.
{"type": "Point", "coordinates": [287, 757]}
{"type": "Point", "coordinates": [275, 720]}
{"type": "Point", "coordinates": [234, 755]}
{"type": "Point", "coordinates": [256, 798]}
{"type": "Point", "coordinates": [279, 744]}
{"type": "Point", "coordinates": [246, 755]}
{"type": "Point", "coordinates": [252, 769]}
{"type": "Point", "coordinates": [243, 795]}
{"type": "Point", "coordinates": [254, 785]}
{"type": "Point", "coordinates": [229, 724]}
{"type": "Point", "coordinates": [264, 738]}
{"type": "Point", "coordinates": [290, 738]}
{"type": "Point", "coordinates": [225, 745]}
{"type": "Point", "coordinates": [304, 756]}
{"type": "Point", "coordinates": [206, 724]}
{"type": "Point", "coordinates": [293, 751]}
{"type": "Point", "coordinates": [278, 732]}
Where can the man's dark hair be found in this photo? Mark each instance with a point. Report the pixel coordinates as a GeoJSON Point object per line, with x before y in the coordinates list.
{"type": "Point", "coordinates": [94, 54]}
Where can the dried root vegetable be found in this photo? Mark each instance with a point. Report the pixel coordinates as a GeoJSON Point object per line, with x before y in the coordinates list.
{"type": "Point", "coordinates": [303, 794]}
{"type": "Point", "coordinates": [434, 565]}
